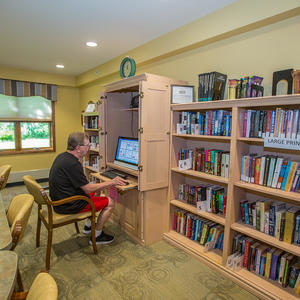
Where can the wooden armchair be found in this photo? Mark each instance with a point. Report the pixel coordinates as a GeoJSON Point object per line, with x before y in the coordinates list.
{"type": "Point", "coordinates": [17, 215]}
{"type": "Point", "coordinates": [51, 219]}
{"type": "Point", "coordinates": [43, 287]}
{"type": "Point", "coordinates": [4, 173]}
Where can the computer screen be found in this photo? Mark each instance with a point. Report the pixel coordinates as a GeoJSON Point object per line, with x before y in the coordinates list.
{"type": "Point", "coordinates": [127, 153]}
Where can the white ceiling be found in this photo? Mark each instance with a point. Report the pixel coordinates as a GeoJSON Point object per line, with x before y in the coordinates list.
{"type": "Point", "coordinates": [38, 34]}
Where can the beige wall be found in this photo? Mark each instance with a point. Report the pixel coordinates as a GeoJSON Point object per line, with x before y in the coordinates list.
{"type": "Point", "coordinates": [67, 118]}
{"type": "Point", "coordinates": [256, 52]}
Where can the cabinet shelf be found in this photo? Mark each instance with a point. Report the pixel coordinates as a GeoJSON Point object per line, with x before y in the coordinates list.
{"type": "Point", "coordinates": [203, 137]}
{"type": "Point", "coordinates": [90, 114]}
{"type": "Point", "coordinates": [207, 215]}
{"type": "Point", "coordinates": [269, 191]}
{"type": "Point", "coordinates": [268, 239]}
{"type": "Point", "coordinates": [201, 175]}
{"type": "Point", "coordinates": [251, 140]}
{"type": "Point", "coordinates": [94, 149]}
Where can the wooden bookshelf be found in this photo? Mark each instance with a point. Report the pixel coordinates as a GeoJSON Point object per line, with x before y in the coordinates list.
{"type": "Point", "coordinates": [237, 190]}
{"type": "Point", "coordinates": [95, 133]}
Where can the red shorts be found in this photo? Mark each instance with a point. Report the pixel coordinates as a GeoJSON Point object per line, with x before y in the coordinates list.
{"type": "Point", "coordinates": [99, 203]}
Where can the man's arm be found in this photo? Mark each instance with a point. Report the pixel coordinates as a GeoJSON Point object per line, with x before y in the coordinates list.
{"type": "Point", "coordinates": [95, 187]}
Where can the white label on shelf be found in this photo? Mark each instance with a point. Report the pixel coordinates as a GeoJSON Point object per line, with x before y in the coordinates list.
{"type": "Point", "coordinates": [283, 143]}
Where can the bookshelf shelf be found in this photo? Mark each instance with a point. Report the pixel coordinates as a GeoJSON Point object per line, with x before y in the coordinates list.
{"type": "Point", "coordinates": [210, 216]}
{"type": "Point", "coordinates": [268, 239]}
{"type": "Point", "coordinates": [90, 114]}
{"type": "Point", "coordinates": [174, 237]}
{"type": "Point", "coordinates": [269, 289]}
{"type": "Point", "coordinates": [269, 191]}
{"type": "Point", "coordinates": [94, 149]}
{"type": "Point", "coordinates": [251, 140]}
{"type": "Point", "coordinates": [201, 137]}
{"type": "Point", "coordinates": [92, 129]}
{"type": "Point", "coordinates": [201, 175]}
{"type": "Point", "coordinates": [91, 168]}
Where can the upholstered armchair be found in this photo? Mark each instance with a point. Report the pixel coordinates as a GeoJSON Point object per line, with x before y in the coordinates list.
{"type": "Point", "coordinates": [4, 173]}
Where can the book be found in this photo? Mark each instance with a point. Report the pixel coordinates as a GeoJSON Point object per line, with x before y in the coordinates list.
{"type": "Point", "coordinates": [268, 262]}
{"type": "Point", "coordinates": [274, 207]}
{"type": "Point", "coordinates": [291, 175]}
{"type": "Point", "coordinates": [277, 169]}
{"type": "Point", "coordinates": [289, 260]}
{"type": "Point", "coordinates": [281, 173]}
{"type": "Point", "coordinates": [282, 268]}
{"type": "Point", "coordinates": [274, 263]}
{"type": "Point", "coordinates": [290, 216]}
{"type": "Point", "coordinates": [294, 273]}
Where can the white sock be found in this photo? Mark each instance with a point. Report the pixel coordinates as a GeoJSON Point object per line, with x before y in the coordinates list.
{"type": "Point", "coordinates": [98, 232]}
{"type": "Point", "coordinates": [88, 223]}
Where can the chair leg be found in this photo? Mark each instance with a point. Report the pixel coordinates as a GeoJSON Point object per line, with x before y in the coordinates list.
{"type": "Point", "coordinates": [77, 228]}
{"type": "Point", "coordinates": [19, 280]}
{"type": "Point", "coordinates": [93, 236]}
{"type": "Point", "coordinates": [38, 232]}
{"type": "Point", "coordinates": [48, 253]}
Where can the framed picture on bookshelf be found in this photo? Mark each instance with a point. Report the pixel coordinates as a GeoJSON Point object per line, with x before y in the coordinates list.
{"type": "Point", "coordinates": [182, 94]}
{"type": "Point", "coordinates": [91, 107]}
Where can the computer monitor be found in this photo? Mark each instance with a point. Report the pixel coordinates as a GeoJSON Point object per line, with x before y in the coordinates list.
{"type": "Point", "coordinates": [127, 153]}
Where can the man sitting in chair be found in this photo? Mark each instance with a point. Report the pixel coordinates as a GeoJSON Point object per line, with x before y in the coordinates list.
{"type": "Point", "coordinates": [67, 179]}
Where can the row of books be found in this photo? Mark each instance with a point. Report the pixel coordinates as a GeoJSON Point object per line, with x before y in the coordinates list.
{"type": "Point", "coordinates": [211, 86]}
{"type": "Point", "coordinates": [94, 141]}
{"type": "Point", "coordinates": [267, 261]}
{"type": "Point", "coordinates": [273, 218]}
{"type": "Point", "coordinates": [245, 87]}
{"type": "Point", "coordinates": [210, 161]}
{"type": "Point", "coordinates": [92, 122]}
{"type": "Point", "coordinates": [281, 123]}
{"type": "Point", "coordinates": [271, 171]}
{"type": "Point", "coordinates": [198, 229]}
{"type": "Point", "coordinates": [208, 198]}
{"type": "Point", "coordinates": [211, 122]}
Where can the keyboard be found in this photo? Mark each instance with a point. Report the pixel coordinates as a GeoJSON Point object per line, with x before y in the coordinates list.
{"type": "Point", "coordinates": [112, 174]}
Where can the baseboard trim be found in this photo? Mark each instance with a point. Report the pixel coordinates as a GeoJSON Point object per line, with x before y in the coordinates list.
{"type": "Point", "coordinates": [17, 177]}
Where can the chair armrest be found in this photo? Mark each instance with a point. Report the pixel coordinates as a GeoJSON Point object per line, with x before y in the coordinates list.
{"type": "Point", "coordinates": [74, 198]}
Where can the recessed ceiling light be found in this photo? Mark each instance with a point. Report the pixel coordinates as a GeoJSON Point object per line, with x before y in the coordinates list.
{"type": "Point", "coordinates": [91, 44]}
{"type": "Point", "coordinates": [60, 66]}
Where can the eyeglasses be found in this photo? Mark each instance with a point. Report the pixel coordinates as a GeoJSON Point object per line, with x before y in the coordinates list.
{"type": "Point", "coordinates": [87, 145]}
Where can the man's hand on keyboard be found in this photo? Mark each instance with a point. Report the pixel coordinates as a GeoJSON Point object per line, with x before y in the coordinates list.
{"type": "Point", "coordinates": [119, 181]}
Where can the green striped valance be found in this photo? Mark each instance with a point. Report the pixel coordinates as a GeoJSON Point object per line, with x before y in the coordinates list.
{"type": "Point", "coordinates": [26, 89]}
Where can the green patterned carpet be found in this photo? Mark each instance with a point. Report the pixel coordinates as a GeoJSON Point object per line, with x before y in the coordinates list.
{"type": "Point", "coordinates": [121, 270]}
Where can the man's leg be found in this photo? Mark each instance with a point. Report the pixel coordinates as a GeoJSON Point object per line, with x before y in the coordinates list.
{"type": "Point", "coordinates": [104, 215]}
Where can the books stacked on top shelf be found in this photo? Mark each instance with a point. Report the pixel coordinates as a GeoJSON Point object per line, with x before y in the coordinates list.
{"type": "Point", "coordinates": [210, 161]}
{"type": "Point", "coordinates": [271, 171]}
{"type": "Point", "coordinates": [211, 122]}
{"type": "Point", "coordinates": [268, 262]}
{"type": "Point", "coordinates": [94, 141]}
{"type": "Point", "coordinates": [211, 86]}
{"type": "Point", "coordinates": [198, 229]}
{"type": "Point", "coordinates": [273, 218]}
{"type": "Point", "coordinates": [94, 161]}
{"type": "Point", "coordinates": [208, 198]}
{"type": "Point", "coordinates": [92, 122]}
{"type": "Point", "coordinates": [245, 87]}
{"type": "Point", "coordinates": [281, 123]}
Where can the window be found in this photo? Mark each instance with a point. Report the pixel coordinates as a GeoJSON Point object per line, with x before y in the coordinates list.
{"type": "Point", "coordinates": [26, 124]}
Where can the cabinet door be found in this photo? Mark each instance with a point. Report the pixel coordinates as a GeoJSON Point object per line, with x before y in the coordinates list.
{"type": "Point", "coordinates": [154, 122]}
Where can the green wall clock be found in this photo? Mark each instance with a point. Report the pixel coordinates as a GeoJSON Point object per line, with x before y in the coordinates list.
{"type": "Point", "coordinates": [127, 67]}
